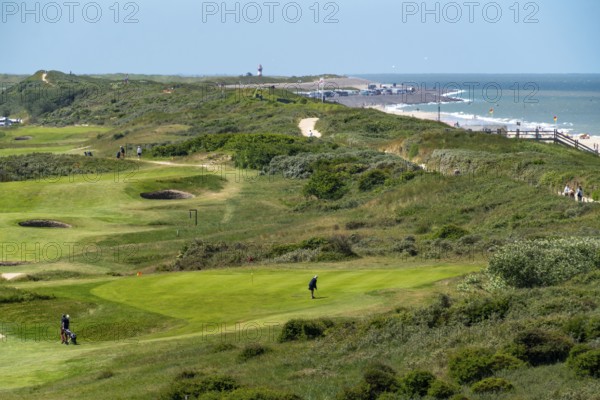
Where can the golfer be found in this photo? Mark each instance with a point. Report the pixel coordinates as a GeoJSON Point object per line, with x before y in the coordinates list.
{"type": "Point", "coordinates": [64, 325]}
{"type": "Point", "coordinates": [312, 286]}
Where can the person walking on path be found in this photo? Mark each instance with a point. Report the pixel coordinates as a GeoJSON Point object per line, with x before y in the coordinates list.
{"type": "Point", "coordinates": [579, 194]}
{"type": "Point", "coordinates": [64, 326]}
{"type": "Point", "coordinates": [122, 150]}
{"type": "Point", "coordinates": [139, 151]}
{"type": "Point", "coordinates": [312, 286]}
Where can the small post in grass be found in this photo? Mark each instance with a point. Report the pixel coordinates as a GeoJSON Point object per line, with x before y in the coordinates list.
{"type": "Point", "coordinates": [195, 211]}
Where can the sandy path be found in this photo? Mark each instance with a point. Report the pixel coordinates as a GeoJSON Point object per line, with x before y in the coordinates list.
{"type": "Point", "coordinates": [307, 126]}
{"type": "Point", "coordinates": [11, 276]}
{"type": "Point", "coordinates": [44, 75]}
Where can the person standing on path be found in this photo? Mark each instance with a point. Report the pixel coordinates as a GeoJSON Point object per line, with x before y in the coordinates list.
{"type": "Point", "coordinates": [579, 194]}
{"type": "Point", "coordinates": [312, 286]}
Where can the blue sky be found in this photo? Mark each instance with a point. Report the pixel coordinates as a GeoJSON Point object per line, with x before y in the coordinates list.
{"type": "Point", "coordinates": [292, 38]}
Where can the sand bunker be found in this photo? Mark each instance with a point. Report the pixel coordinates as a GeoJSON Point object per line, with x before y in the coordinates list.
{"type": "Point", "coordinates": [12, 276]}
{"type": "Point", "coordinates": [167, 195]}
{"type": "Point", "coordinates": [23, 138]}
{"type": "Point", "coordinates": [43, 223]}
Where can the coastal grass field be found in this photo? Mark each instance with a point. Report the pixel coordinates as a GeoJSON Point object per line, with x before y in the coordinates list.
{"type": "Point", "coordinates": [399, 298]}
{"type": "Point", "coordinates": [114, 231]}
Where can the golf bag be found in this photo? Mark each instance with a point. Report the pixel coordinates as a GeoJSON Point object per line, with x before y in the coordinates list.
{"type": "Point", "coordinates": [71, 336]}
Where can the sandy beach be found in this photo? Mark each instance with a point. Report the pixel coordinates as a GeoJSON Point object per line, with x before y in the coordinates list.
{"type": "Point", "coordinates": [587, 140]}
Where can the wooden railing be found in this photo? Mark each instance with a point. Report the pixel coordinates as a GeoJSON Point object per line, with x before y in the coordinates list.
{"type": "Point", "coordinates": [547, 136]}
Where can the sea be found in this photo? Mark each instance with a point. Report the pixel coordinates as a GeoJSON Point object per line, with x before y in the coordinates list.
{"type": "Point", "coordinates": [567, 102]}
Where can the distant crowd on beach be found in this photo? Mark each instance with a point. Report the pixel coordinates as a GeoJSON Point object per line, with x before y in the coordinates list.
{"type": "Point", "coordinates": [576, 194]}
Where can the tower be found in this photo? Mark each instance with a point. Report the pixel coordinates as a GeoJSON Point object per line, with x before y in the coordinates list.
{"type": "Point", "coordinates": [260, 70]}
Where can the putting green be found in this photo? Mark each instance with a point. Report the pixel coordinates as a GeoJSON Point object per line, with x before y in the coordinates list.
{"type": "Point", "coordinates": [271, 295]}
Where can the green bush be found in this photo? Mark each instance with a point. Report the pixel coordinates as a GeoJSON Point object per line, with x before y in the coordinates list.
{"type": "Point", "coordinates": [300, 329]}
{"type": "Point", "coordinates": [586, 363]}
{"type": "Point", "coordinates": [442, 390]}
{"type": "Point", "coordinates": [492, 385]}
{"type": "Point", "coordinates": [416, 383]}
{"type": "Point", "coordinates": [452, 232]}
{"type": "Point", "coordinates": [252, 350]}
{"type": "Point", "coordinates": [476, 309]}
{"type": "Point", "coordinates": [257, 394]}
{"type": "Point", "coordinates": [577, 350]}
{"type": "Point", "coordinates": [380, 378]}
{"type": "Point", "coordinates": [539, 347]}
{"type": "Point", "coordinates": [190, 385]}
{"type": "Point", "coordinates": [544, 262]}
{"type": "Point", "coordinates": [371, 179]}
{"type": "Point", "coordinates": [358, 392]}
{"type": "Point", "coordinates": [470, 365]}
{"type": "Point", "coordinates": [501, 361]}
{"type": "Point", "coordinates": [583, 328]}
{"type": "Point", "coordinates": [326, 185]}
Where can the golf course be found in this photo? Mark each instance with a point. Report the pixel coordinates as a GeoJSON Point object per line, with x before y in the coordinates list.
{"type": "Point", "coordinates": [185, 271]}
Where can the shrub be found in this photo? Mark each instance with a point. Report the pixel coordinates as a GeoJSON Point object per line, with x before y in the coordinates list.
{"type": "Point", "coordinates": [326, 185]}
{"type": "Point", "coordinates": [577, 350]}
{"type": "Point", "coordinates": [300, 329]}
{"type": "Point", "coordinates": [192, 386]}
{"type": "Point", "coordinates": [258, 394]}
{"type": "Point", "coordinates": [583, 328]}
{"type": "Point", "coordinates": [586, 363]}
{"type": "Point", "coordinates": [380, 378]}
{"type": "Point", "coordinates": [371, 179]}
{"type": "Point", "coordinates": [470, 365]}
{"type": "Point", "coordinates": [252, 350]}
{"type": "Point", "coordinates": [358, 392]}
{"type": "Point", "coordinates": [544, 262]}
{"type": "Point", "coordinates": [222, 347]}
{"type": "Point", "coordinates": [476, 309]}
{"type": "Point", "coordinates": [541, 347]}
{"type": "Point", "coordinates": [416, 383]}
{"type": "Point", "coordinates": [501, 361]}
{"type": "Point", "coordinates": [442, 390]}
{"type": "Point", "coordinates": [450, 232]}
{"type": "Point", "coordinates": [492, 385]}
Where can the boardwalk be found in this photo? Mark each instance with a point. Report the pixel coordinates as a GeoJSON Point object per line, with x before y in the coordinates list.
{"type": "Point", "coordinates": [547, 136]}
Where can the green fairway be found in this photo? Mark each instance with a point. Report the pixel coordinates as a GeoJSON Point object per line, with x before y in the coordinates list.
{"type": "Point", "coordinates": [242, 298]}
{"type": "Point", "coordinates": [272, 295]}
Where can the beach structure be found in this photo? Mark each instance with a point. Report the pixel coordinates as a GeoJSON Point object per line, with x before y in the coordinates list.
{"type": "Point", "coordinates": [4, 121]}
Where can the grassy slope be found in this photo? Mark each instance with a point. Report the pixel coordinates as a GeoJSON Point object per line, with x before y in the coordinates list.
{"type": "Point", "coordinates": [495, 206]}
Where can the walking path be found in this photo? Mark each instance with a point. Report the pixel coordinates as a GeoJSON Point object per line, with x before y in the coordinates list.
{"type": "Point", "coordinates": [307, 126]}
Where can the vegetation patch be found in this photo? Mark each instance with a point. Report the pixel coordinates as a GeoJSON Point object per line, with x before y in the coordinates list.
{"type": "Point", "coordinates": [300, 329]}
{"type": "Point", "coordinates": [527, 264]}
{"type": "Point", "coordinates": [492, 385]}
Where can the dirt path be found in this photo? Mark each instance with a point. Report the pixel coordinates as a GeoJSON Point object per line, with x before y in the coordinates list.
{"type": "Point", "coordinates": [307, 126]}
{"type": "Point", "coordinates": [44, 79]}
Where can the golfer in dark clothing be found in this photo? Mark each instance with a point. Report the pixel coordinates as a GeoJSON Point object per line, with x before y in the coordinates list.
{"type": "Point", "coordinates": [312, 286]}
{"type": "Point", "coordinates": [64, 325]}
